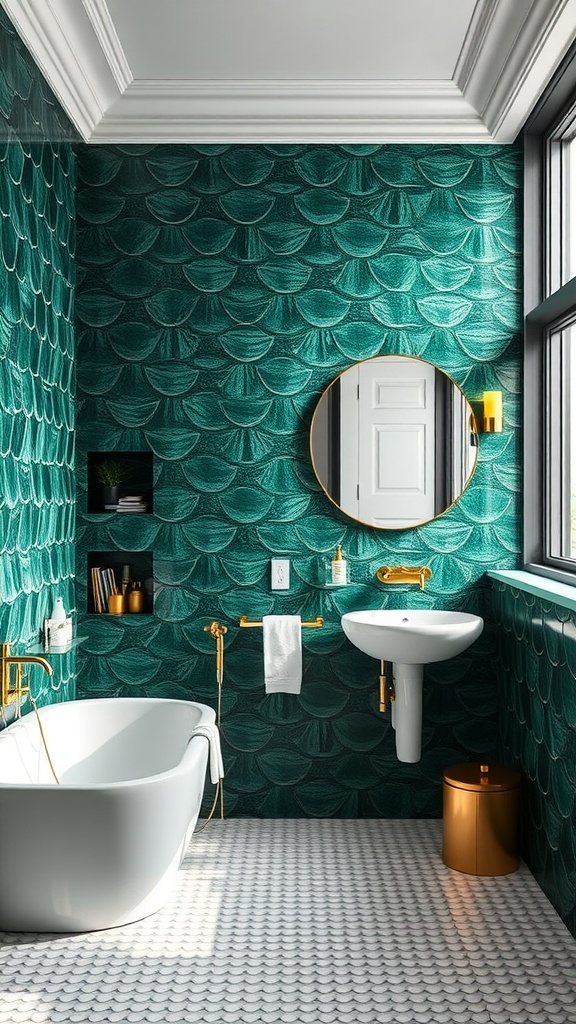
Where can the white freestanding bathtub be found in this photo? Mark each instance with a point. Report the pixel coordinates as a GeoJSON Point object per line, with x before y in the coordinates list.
{"type": "Point", "coordinates": [102, 848]}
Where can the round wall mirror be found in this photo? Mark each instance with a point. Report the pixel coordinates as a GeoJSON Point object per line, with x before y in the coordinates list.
{"type": "Point", "coordinates": [393, 442]}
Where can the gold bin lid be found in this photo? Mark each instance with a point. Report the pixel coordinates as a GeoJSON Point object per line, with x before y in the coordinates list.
{"type": "Point", "coordinates": [481, 777]}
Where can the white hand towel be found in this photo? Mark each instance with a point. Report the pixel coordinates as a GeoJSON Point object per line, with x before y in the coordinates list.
{"type": "Point", "coordinates": [210, 732]}
{"type": "Point", "coordinates": [282, 636]}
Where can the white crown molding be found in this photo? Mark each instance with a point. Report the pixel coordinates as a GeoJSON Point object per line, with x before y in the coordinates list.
{"type": "Point", "coordinates": [101, 21]}
{"type": "Point", "coordinates": [510, 54]}
{"type": "Point", "coordinates": [472, 47]}
{"type": "Point", "coordinates": [61, 41]}
{"type": "Point", "coordinates": [510, 50]}
{"type": "Point", "coordinates": [280, 111]}
{"type": "Point", "coordinates": [536, 56]}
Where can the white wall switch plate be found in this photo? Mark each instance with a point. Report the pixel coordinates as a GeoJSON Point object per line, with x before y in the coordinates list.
{"type": "Point", "coordinates": [280, 573]}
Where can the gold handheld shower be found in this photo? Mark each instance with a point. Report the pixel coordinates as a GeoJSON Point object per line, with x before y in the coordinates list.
{"type": "Point", "coordinates": [217, 630]}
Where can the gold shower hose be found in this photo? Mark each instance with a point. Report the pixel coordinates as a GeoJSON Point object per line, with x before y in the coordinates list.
{"type": "Point", "coordinates": [217, 630]}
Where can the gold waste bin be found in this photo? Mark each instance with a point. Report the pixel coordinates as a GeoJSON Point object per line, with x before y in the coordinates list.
{"type": "Point", "coordinates": [480, 819]}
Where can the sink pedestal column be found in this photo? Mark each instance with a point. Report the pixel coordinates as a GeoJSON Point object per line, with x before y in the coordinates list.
{"type": "Point", "coordinates": [407, 711]}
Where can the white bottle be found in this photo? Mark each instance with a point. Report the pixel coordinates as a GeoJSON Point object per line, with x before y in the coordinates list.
{"type": "Point", "coordinates": [339, 567]}
{"type": "Point", "coordinates": [58, 631]}
{"type": "Point", "coordinates": [58, 612]}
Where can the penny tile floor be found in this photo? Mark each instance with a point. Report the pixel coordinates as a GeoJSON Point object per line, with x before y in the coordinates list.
{"type": "Point", "coordinates": [309, 922]}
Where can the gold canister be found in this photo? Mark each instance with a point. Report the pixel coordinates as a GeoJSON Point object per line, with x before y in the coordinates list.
{"type": "Point", "coordinates": [116, 604]}
{"type": "Point", "coordinates": [480, 829]}
{"type": "Point", "coordinates": [136, 599]}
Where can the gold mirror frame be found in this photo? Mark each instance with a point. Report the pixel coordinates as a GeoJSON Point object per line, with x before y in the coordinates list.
{"type": "Point", "coordinates": [449, 403]}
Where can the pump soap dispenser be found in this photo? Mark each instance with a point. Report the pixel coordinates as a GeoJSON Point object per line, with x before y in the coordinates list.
{"type": "Point", "coordinates": [58, 612]}
{"type": "Point", "coordinates": [58, 628]}
{"type": "Point", "coordinates": [339, 567]}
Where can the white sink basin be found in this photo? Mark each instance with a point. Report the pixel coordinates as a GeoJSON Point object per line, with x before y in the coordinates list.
{"type": "Point", "coordinates": [412, 637]}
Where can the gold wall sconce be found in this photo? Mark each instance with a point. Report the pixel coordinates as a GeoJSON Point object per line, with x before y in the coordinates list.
{"type": "Point", "coordinates": [492, 412]}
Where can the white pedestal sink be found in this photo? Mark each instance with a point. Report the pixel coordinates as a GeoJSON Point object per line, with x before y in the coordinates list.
{"type": "Point", "coordinates": [410, 639]}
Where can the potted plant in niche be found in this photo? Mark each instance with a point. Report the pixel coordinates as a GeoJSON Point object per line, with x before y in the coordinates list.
{"type": "Point", "coordinates": [110, 474]}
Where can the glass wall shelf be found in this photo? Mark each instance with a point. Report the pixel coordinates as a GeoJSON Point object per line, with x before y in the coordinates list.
{"type": "Point", "coordinates": [39, 648]}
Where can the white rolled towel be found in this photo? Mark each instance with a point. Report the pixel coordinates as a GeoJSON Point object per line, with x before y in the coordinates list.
{"type": "Point", "coordinates": [210, 732]}
{"type": "Point", "coordinates": [282, 637]}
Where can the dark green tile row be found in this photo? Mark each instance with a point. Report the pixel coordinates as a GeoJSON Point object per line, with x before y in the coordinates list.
{"type": "Point", "coordinates": [37, 410]}
{"type": "Point", "coordinates": [537, 685]}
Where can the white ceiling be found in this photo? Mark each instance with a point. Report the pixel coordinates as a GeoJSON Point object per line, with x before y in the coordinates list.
{"type": "Point", "coordinates": [296, 70]}
{"type": "Point", "coordinates": [289, 39]}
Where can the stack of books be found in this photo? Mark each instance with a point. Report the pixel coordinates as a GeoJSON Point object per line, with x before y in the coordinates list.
{"type": "Point", "coordinates": [103, 584]}
{"type": "Point", "coordinates": [131, 503]}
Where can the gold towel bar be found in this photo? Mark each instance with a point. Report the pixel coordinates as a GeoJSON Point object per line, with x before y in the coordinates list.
{"type": "Point", "coordinates": [319, 621]}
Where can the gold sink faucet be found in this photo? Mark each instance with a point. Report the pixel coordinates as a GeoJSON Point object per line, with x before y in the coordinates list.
{"type": "Point", "coordinates": [14, 690]}
{"type": "Point", "coordinates": [404, 574]}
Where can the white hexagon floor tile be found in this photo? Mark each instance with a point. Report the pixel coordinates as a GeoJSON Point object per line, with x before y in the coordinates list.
{"type": "Point", "coordinates": [309, 922]}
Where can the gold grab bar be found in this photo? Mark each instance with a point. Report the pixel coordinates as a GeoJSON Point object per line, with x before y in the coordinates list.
{"type": "Point", "coordinates": [317, 624]}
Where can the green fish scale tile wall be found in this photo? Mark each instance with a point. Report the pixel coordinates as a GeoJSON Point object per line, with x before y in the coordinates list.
{"type": "Point", "coordinates": [220, 289]}
{"type": "Point", "coordinates": [37, 235]}
{"type": "Point", "coordinates": [537, 682]}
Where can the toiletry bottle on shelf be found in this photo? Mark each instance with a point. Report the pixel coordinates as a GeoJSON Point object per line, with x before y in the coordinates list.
{"type": "Point", "coordinates": [58, 628]}
{"type": "Point", "coordinates": [125, 579]}
{"type": "Point", "coordinates": [58, 611]}
{"type": "Point", "coordinates": [136, 598]}
{"type": "Point", "coordinates": [339, 567]}
{"type": "Point", "coordinates": [116, 604]}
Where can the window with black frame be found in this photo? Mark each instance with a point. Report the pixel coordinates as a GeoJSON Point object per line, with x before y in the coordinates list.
{"type": "Point", "coordinates": [550, 334]}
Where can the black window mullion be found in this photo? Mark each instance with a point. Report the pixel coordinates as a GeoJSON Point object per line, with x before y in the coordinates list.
{"type": "Point", "coordinates": [550, 328]}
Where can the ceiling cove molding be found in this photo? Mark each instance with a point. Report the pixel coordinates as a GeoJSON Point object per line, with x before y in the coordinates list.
{"type": "Point", "coordinates": [512, 53]}
{"type": "Point", "coordinates": [510, 50]}
{"type": "Point", "coordinates": [101, 21]}
{"type": "Point", "coordinates": [280, 111]}
{"type": "Point", "coordinates": [537, 54]}
{"type": "Point", "coordinates": [64, 49]}
{"type": "Point", "coordinates": [476, 36]}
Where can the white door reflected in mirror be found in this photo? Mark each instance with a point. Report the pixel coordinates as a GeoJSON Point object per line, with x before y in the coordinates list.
{"type": "Point", "coordinates": [393, 442]}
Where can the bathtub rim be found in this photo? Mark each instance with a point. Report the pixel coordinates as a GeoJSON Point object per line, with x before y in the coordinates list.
{"type": "Point", "coordinates": [143, 780]}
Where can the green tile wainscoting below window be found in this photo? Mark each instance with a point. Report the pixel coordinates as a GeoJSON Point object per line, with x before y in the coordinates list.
{"type": "Point", "coordinates": [552, 590]}
{"type": "Point", "coordinates": [536, 677]}
{"type": "Point", "coordinates": [37, 237]}
{"type": "Point", "coordinates": [220, 289]}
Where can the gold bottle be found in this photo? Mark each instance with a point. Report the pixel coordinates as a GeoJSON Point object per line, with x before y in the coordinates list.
{"type": "Point", "coordinates": [116, 604]}
{"type": "Point", "coordinates": [136, 598]}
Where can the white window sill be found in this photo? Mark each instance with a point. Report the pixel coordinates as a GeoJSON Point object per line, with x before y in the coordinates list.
{"type": "Point", "coordinates": [540, 586]}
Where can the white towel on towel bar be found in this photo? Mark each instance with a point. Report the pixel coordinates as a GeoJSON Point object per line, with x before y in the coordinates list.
{"type": "Point", "coordinates": [282, 637]}
{"type": "Point", "coordinates": [210, 732]}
